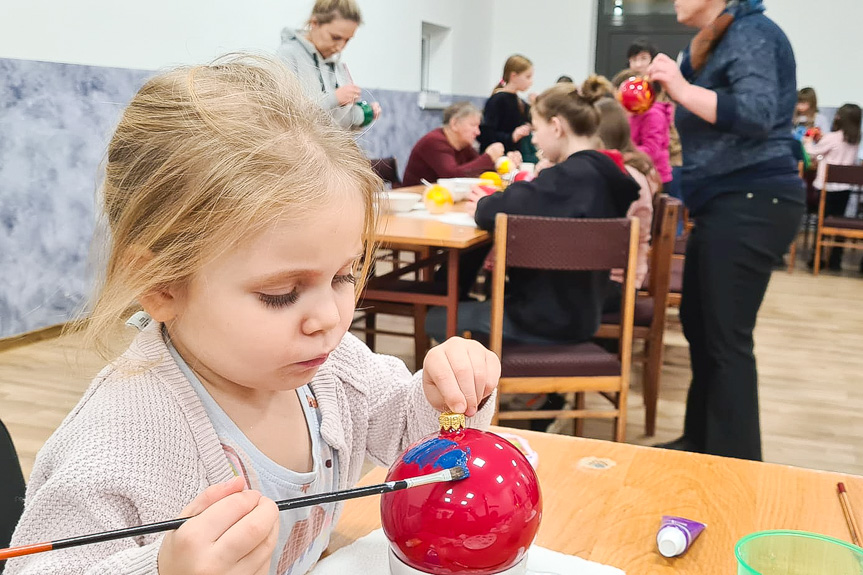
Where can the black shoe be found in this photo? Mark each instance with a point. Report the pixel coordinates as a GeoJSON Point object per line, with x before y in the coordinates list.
{"type": "Point", "coordinates": [682, 443]}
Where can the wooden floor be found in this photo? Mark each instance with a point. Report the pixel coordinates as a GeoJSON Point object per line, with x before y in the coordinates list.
{"type": "Point", "coordinates": [809, 344]}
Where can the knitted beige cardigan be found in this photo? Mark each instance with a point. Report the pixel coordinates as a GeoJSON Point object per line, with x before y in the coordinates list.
{"type": "Point", "coordinates": [139, 447]}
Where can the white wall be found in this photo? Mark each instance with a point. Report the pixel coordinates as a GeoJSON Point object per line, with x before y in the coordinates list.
{"type": "Point", "coordinates": [828, 43]}
{"type": "Point", "coordinates": [558, 36]}
{"type": "Point", "coordinates": [146, 35]}
{"type": "Point", "coordinates": [385, 53]}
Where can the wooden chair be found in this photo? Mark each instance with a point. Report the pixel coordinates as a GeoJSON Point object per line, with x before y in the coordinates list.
{"type": "Point", "coordinates": [369, 309]}
{"type": "Point", "coordinates": [807, 177]}
{"type": "Point", "coordinates": [564, 244]}
{"type": "Point", "coordinates": [650, 310]}
{"type": "Point", "coordinates": [387, 170]}
{"type": "Point", "coordinates": [675, 289]}
{"type": "Point", "coordinates": [840, 230]}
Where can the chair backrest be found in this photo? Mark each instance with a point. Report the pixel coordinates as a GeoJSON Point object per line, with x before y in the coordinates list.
{"type": "Point", "coordinates": [387, 170]}
{"type": "Point", "coordinates": [851, 175]}
{"type": "Point", "coordinates": [565, 244]}
{"type": "Point", "coordinates": [11, 488]}
{"type": "Point", "coordinates": [662, 243]}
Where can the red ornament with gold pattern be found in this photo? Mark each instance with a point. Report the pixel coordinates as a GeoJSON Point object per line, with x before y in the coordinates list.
{"type": "Point", "coordinates": [636, 95]}
{"type": "Point", "coordinates": [481, 525]}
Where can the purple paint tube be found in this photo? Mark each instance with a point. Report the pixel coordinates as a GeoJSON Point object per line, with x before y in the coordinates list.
{"type": "Point", "coordinates": [676, 534]}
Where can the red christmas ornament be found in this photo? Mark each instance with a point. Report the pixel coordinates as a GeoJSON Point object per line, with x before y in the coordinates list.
{"type": "Point", "coordinates": [523, 175]}
{"type": "Point", "coordinates": [814, 133]}
{"type": "Point", "coordinates": [480, 525]}
{"type": "Point", "coordinates": [636, 95]}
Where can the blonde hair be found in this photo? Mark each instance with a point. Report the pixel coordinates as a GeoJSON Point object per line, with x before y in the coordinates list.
{"type": "Point", "coordinates": [806, 95]}
{"type": "Point", "coordinates": [515, 64]}
{"type": "Point", "coordinates": [325, 11]}
{"type": "Point", "coordinates": [205, 157]}
{"type": "Point", "coordinates": [564, 101]}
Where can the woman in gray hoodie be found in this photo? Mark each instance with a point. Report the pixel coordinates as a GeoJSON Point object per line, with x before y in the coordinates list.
{"type": "Point", "coordinates": [313, 54]}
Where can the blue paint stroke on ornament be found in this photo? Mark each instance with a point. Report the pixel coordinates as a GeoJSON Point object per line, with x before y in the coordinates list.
{"type": "Point", "coordinates": [454, 458]}
{"type": "Point", "coordinates": [439, 453]}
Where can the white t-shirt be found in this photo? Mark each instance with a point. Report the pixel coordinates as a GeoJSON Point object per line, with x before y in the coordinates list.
{"type": "Point", "coordinates": [303, 533]}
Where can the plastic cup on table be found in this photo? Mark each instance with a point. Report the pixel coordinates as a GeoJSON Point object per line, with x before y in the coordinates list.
{"type": "Point", "coordinates": [796, 553]}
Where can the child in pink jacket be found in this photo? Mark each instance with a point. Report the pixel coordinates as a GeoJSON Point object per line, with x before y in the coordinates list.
{"type": "Point", "coordinates": [651, 130]}
{"type": "Point", "coordinates": [650, 135]}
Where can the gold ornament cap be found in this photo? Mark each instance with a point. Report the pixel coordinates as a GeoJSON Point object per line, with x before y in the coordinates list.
{"type": "Point", "coordinates": [451, 421]}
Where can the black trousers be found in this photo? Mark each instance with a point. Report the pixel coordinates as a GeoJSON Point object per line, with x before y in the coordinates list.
{"type": "Point", "coordinates": [11, 488]}
{"type": "Point", "coordinates": [729, 258]}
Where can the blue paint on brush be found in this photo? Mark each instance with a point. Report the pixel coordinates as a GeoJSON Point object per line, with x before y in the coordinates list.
{"type": "Point", "coordinates": [454, 458]}
{"type": "Point", "coordinates": [439, 453]}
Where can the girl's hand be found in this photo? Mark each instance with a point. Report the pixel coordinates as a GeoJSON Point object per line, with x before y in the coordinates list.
{"type": "Point", "coordinates": [476, 194]}
{"type": "Point", "coordinates": [520, 132]}
{"type": "Point", "coordinates": [514, 157]}
{"type": "Point", "coordinates": [458, 374]}
{"type": "Point", "coordinates": [234, 533]}
{"type": "Point", "coordinates": [376, 109]}
{"type": "Point", "coordinates": [541, 165]}
{"type": "Point", "coordinates": [665, 71]}
{"type": "Point", "coordinates": [470, 206]}
{"type": "Point", "coordinates": [495, 150]}
{"type": "Point", "coordinates": [348, 94]}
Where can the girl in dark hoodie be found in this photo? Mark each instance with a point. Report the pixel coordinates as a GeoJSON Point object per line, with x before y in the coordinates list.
{"type": "Point", "coordinates": [552, 306]}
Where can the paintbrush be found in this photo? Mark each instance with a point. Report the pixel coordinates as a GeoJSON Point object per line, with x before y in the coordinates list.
{"type": "Point", "coordinates": [451, 474]}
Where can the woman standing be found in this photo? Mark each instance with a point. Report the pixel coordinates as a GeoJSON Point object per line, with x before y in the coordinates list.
{"type": "Point", "coordinates": [314, 55]}
{"type": "Point", "coordinates": [736, 92]}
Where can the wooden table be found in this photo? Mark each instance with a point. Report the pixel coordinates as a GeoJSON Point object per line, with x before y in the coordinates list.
{"type": "Point", "coordinates": [440, 242]}
{"type": "Point", "coordinates": [611, 515]}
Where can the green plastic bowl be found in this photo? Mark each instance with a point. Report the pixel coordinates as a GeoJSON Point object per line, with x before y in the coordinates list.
{"type": "Point", "coordinates": [796, 553]}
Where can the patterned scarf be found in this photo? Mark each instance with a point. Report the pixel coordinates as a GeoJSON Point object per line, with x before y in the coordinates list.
{"type": "Point", "coordinates": [695, 56]}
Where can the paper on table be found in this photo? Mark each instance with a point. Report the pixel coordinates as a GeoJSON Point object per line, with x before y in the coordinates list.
{"type": "Point", "coordinates": [368, 555]}
{"type": "Point", "coordinates": [452, 218]}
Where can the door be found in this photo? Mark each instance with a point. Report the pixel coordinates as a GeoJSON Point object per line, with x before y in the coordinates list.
{"type": "Point", "coordinates": [620, 22]}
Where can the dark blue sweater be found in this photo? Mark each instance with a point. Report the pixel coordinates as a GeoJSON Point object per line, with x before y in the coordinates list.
{"type": "Point", "coordinates": [751, 146]}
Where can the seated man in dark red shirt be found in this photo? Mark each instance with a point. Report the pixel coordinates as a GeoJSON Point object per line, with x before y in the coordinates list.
{"type": "Point", "coordinates": [448, 152]}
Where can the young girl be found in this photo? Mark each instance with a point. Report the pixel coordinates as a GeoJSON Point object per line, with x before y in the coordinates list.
{"type": "Point", "coordinates": [651, 130]}
{"type": "Point", "coordinates": [806, 113]}
{"type": "Point", "coordinates": [238, 212]}
{"type": "Point", "coordinates": [506, 117]}
{"type": "Point", "coordinates": [614, 133]}
{"type": "Point", "coordinates": [839, 147]}
{"type": "Point", "coordinates": [553, 306]}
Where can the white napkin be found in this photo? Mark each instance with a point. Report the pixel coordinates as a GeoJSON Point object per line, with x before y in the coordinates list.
{"type": "Point", "coordinates": [452, 218]}
{"type": "Point", "coordinates": [368, 555]}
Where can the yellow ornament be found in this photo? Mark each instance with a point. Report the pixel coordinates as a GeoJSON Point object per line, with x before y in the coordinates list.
{"type": "Point", "coordinates": [493, 177]}
{"type": "Point", "coordinates": [503, 165]}
{"type": "Point", "coordinates": [437, 199]}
